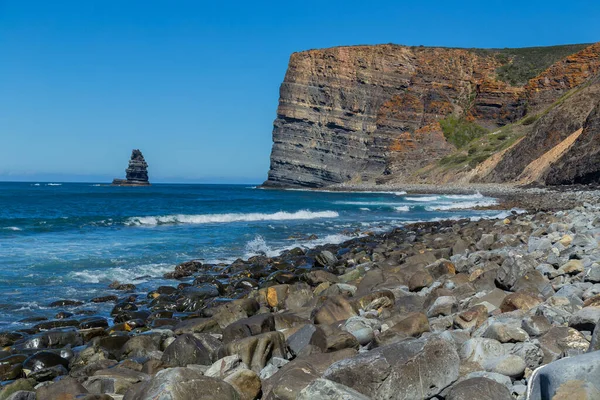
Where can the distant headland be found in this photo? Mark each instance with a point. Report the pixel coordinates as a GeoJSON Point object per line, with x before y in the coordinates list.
{"type": "Point", "coordinates": [136, 172]}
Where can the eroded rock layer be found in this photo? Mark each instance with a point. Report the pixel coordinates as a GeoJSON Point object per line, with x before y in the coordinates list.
{"type": "Point", "coordinates": [372, 113]}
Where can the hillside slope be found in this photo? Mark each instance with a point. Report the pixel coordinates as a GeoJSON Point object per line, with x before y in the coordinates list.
{"type": "Point", "coordinates": [415, 114]}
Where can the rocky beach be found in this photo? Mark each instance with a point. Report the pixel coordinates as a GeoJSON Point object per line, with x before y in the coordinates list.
{"type": "Point", "coordinates": [458, 309]}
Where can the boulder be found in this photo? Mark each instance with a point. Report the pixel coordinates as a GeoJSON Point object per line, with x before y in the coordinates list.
{"type": "Point", "coordinates": [415, 368]}
{"type": "Point", "coordinates": [547, 380]}
{"type": "Point", "coordinates": [185, 350]}
{"type": "Point", "coordinates": [255, 351]}
{"type": "Point", "coordinates": [246, 383]}
{"type": "Point", "coordinates": [325, 389]}
{"type": "Point", "coordinates": [183, 384]}
{"type": "Point", "coordinates": [478, 388]}
{"type": "Point", "coordinates": [332, 310]}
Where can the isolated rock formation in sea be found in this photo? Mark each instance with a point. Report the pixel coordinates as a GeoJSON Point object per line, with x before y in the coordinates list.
{"type": "Point", "coordinates": [136, 172]}
{"type": "Point", "coordinates": [399, 114]}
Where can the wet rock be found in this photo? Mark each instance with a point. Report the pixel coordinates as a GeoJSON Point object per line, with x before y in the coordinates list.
{"type": "Point", "coordinates": [105, 299]}
{"type": "Point", "coordinates": [44, 359]}
{"type": "Point", "coordinates": [328, 390]}
{"type": "Point", "coordinates": [183, 384]}
{"type": "Point", "coordinates": [65, 303]}
{"type": "Point", "coordinates": [186, 349]}
{"type": "Point", "coordinates": [478, 388]}
{"type": "Point", "coordinates": [325, 259]}
{"type": "Point", "coordinates": [417, 368]}
{"type": "Point", "coordinates": [184, 270]}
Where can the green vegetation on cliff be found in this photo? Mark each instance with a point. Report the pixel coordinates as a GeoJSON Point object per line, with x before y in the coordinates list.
{"type": "Point", "coordinates": [459, 131]}
{"type": "Point", "coordinates": [520, 65]}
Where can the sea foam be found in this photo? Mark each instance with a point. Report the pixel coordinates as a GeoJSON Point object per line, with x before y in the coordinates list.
{"type": "Point", "coordinates": [423, 198]}
{"type": "Point", "coordinates": [462, 205]}
{"type": "Point", "coordinates": [227, 218]}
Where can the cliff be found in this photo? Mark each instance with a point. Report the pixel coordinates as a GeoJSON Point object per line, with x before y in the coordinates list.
{"type": "Point", "coordinates": [412, 114]}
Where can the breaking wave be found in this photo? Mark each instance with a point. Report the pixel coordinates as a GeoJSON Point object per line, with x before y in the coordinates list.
{"type": "Point", "coordinates": [402, 208]}
{"type": "Point", "coordinates": [226, 218]}
{"type": "Point", "coordinates": [423, 198]}
{"type": "Point", "coordinates": [462, 206]}
{"type": "Point", "coordinates": [465, 196]}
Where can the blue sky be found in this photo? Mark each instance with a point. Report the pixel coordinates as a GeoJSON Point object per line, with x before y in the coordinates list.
{"type": "Point", "coordinates": [194, 84]}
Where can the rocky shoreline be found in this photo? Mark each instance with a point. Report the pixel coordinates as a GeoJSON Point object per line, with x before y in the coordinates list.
{"type": "Point", "coordinates": [450, 310]}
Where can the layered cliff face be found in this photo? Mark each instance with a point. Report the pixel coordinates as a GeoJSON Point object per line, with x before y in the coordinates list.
{"type": "Point", "coordinates": [373, 113]}
{"type": "Point", "coordinates": [356, 113]}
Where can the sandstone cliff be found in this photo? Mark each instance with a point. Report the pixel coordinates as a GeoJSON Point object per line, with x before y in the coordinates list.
{"type": "Point", "coordinates": [377, 113]}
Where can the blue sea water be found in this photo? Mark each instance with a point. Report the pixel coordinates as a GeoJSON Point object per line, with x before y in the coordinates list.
{"type": "Point", "coordinates": [71, 240]}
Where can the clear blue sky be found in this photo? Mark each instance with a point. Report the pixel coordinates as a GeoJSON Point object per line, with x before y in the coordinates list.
{"type": "Point", "coordinates": [194, 84]}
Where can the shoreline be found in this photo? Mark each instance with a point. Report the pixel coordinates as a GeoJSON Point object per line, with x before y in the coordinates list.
{"type": "Point", "coordinates": [448, 295]}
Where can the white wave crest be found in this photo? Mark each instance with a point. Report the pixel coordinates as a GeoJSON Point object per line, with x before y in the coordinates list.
{"type": "Point", "coordinates": [423, 198]}
{"type": "Point", "coordinates": [401, 193]}
{"type": "Point", "coordinates": [54, 184]}
{"type": "Point", "coordinates": [365, 209]}
{"type": "Point", "coordinates": [465, 196]}
{"type": "Point", "coordinates": [123, 275]}
{"type": "Point", "coordinates": [402, 208]}
{"type": "Point", "coordinates": [258, 245]}
{"type": "Point", "coordinates": [462, 206]}
{"type": "Point", "coordinates": [12, 228]}
{"type": "Point", "coordinates": [225, 218]}
{"type": "Point", "coordinates": [370, 203]}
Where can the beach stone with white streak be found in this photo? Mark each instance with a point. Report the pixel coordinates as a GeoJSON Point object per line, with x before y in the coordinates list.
{"type": "Point", "coordinates": [324, 389]}
{"type": "Point", "coordinates": [480, 349]}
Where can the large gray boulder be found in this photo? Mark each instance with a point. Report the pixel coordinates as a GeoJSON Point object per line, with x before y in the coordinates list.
{"type": "Point", "coordinates": [325, 389]}
{"type": "Point", "coordinates": [546, 380]}
{"type": "Point", "coordinates": [479, 388]}
{"type": "Point", "coordinates": [418, 368]}
{"type": "Point", "coordinates": [183, 384]}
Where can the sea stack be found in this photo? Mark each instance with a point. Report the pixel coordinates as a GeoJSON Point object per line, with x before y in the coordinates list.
{"type": "Point", "coordinates": [136, 172]}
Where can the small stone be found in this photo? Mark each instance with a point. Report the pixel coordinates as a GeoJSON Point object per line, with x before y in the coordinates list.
{"type": "Point", "coordinates": [509, 365]}
{"type": "Point", "coordinates": [505, 333]}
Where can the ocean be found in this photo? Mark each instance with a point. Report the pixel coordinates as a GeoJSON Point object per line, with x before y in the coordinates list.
{"type": "Point", "coordinates": [71, 240]}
